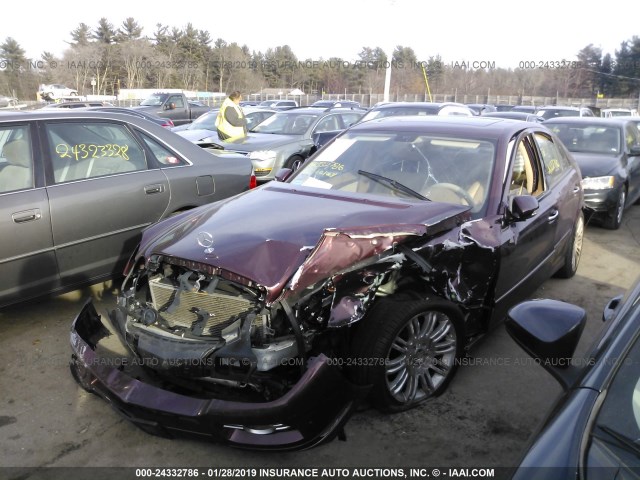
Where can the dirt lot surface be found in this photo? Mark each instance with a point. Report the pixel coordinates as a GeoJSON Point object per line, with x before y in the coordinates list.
{"type": "Point", "coordinates": [484, 419]}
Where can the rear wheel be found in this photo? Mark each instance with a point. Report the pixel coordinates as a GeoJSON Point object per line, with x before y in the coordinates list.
{"type": "Point", "coordinates": [574, 251]}
{"type": "Point", "coordinates": [614, 217]}
{"type": "Point", "coordinates": [408, 351]}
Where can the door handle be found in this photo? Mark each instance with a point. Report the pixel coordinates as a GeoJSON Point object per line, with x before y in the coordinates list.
{"type": "Point", "coordinates": [553, 215]}
{"type": "Point", "coordinates": [151, 189]}
{"type": "Point", "coordinates": [26, 215]}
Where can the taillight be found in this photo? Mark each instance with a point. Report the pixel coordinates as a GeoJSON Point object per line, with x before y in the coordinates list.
{"type": "Point", "coordinates": [168, 124]}
{"type": "Point", "coordinates": [253, 183]}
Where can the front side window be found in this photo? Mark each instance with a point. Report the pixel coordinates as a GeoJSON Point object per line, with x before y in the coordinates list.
{"type": "Point", "coordinates": [86, 150]}
{"type": "Point", "coordinates": [525, 174]}
{"type": "Point", "coordinates": [554, 162]}
{"type": "Point", "coordinates": [16, 159]}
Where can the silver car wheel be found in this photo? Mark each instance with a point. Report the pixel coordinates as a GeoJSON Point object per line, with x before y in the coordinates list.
{"type": "Point", "coordinates": [421, 357]}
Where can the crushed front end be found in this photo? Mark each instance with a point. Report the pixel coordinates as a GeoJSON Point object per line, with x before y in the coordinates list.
{"type": "Point", "coordinates": [256, 355]}
{"type": "Point", "coordinates": [213, 360]}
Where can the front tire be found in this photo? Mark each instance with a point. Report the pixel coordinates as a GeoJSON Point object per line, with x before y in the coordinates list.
{"type": "Point", "coordinates": [407, 351]}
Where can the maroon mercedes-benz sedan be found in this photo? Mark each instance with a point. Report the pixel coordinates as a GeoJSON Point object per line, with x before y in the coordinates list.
{"type": "Point", "coordinates": [262, 320]}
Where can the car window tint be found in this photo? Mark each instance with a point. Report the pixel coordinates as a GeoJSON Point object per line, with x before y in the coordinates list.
{"type": "Point", "coordinates": [525, 178]}
{"type": "Point", "coordinates": [85, 150]}
{"type": "Point", "coordinates": [16, 159]}
{"type": "Point", "coordinates": [161, 153]}
{"type": "Point", "coordinates": [555, 164]}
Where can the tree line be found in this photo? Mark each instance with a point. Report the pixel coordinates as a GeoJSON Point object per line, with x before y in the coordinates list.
{"type": "Point", "coordinates": [105, 59]}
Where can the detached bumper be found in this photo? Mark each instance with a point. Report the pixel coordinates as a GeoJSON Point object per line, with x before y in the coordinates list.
{"type": "Point", "coordinates": [312, 412]}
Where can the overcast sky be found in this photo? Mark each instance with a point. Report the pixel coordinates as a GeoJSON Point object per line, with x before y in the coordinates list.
{"type": "Point", "coordinates": [506, 33]}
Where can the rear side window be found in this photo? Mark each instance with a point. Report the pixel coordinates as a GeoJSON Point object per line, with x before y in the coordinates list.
{"type": "Point", "coordinates": [86, 150]}
{"type": "Point", "coordinates": [163, 155]}
{"type": "Point", "coordinates": [16, 159]}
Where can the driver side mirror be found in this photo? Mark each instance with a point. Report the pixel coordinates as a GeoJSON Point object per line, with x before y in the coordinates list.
{"type": "Point", "coordinates": [634, 151]}
{"type": "Point", "coordinates": [170, 106]}
{"type": "Point", "coordinates": [523, 207]}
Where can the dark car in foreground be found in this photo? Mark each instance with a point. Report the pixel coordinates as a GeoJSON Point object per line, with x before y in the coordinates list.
{"type": "Point", "coordinates": [395, 109]}
{"type": "Point", "coordinates": [288, 138]}
{"type": "Point", "coordinates": [77, 188]}
{"type": "Point", "coordinates": [608, 152]}
{"type": "Point", "coordinates": [400, 244]}
{"type": "Point", "coordinates": [593, 429]}
{"type": "Point", "coordinates": [77, 104]}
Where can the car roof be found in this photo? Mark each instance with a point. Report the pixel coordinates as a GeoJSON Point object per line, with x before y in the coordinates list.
{"type": "Point", "coordinates": [72, 113]}
{"type": "Point", "coordinates": [560, 107]}
{"type": "Point", "coordinates": [314, 110]}
{"type": "Point", "coordinates": [478, 125]}
{"type": "Point", "coordinates": [427, 105]}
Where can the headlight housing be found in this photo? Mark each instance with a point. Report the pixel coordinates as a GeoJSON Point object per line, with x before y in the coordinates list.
{"type": "Point", "coordinates": [598, 183]}
{"type": "Point", "coordinates": [263, 155]}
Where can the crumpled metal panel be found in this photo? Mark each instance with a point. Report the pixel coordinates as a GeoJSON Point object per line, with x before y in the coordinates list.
{"type": "Point", "coordinates": [338, 250]}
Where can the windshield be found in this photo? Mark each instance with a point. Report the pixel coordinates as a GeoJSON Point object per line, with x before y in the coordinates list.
{"type": "Point", "coordinates": [588, 138]}
{"type": "Point", "coordinates": [286, 124]}
{"type": "Point", "coordinates": [440, 168]}
{"type": "Point", "coordinates": [153, 101]}
{"type": "Point", "coordinates": [204, 122]}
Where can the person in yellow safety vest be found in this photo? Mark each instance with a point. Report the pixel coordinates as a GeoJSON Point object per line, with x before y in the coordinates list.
{"type": "Point", "coordinates": [231, 122]}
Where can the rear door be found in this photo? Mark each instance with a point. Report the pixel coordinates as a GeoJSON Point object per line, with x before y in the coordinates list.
{"type": "Point", "coordinates": [27, 258]}
{"type": "Point", "coordinates": [102, 193]}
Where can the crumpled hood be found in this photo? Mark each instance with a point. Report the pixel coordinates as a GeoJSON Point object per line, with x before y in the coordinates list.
{"type": "Point", "coordinates": [596, 165]}
{"type": "Point", "coordinates": [264, 235]}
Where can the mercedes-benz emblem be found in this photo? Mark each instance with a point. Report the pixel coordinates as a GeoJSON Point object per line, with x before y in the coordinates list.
{"type": "Point", "coordinates": [205, 239]}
